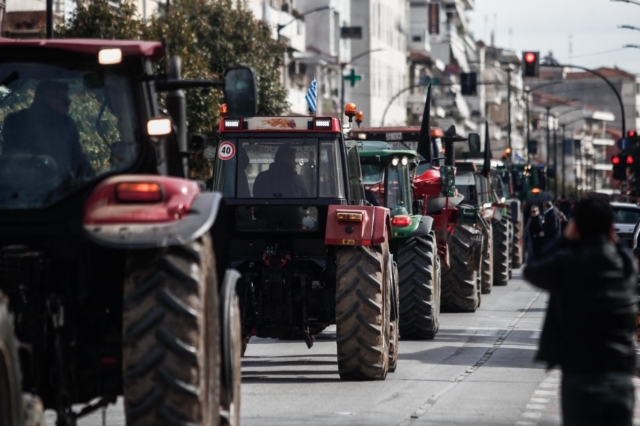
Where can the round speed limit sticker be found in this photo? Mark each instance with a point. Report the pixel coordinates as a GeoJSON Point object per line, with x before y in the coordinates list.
{"type": "Point", "coordinates": [226, 151]}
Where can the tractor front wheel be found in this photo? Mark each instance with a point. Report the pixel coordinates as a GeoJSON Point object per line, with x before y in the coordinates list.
{"type": "Point", "coordinates": [10, 377]}
{"type": "Point", "coordinates": [501, 249]}
{"type": "Point", "coordinates": [460, 282]}
{"type": "Point", "coordinates": [517, 251]}
{"type": "Point", "coordinates": [487, 262]}
{"type": "Point", "coordinates": [363, 293]}
{"type": "Point", "coordinates": [171, 321]}
{"type": "Point", "coordinates": [395, 324]}
{"type": "Point", "coordinates": [419, 288]}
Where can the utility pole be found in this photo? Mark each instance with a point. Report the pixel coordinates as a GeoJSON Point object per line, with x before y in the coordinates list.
{"type": "Point", "coordinates": [49, 19]}
{"type": "Point", "coordinates": [548, 142]}
{"type": "Point", "coordinates": [555, 160]}
{"type": "Point", "coordinates": [564, 188]}
{"type": "Point", "coordinates": [526, 102]}
{"type": "Point", "coordinates": [509, 108]}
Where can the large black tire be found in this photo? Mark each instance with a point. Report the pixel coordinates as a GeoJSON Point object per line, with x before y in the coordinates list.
{"type": "Point", "coordinates": [11, 409]}
{"type": "Point", "coordinates": [486, 276]}
{"type": "Point", "coordinates": [517, 251]}
{"type": "Point", "coordinates": [419, 288]}
{"type": "Point", "coordinates": [395, 324]}
{"type": "Point", "coordinates": [501, 250]}
{"type": "Point", "coordinates": [460, 282]}
{"type": "Point", "coordinates": [363, 294]}
{"type": "Point", "coordinates": [231, 350]}
{"type": "Point", "coordinates": [171, 322]}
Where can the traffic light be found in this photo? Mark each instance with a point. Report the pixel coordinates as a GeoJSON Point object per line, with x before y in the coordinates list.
{"type": "Point", "coordinates": [469, 83]}
{"type": "Point", "coordinates": [620, 163]}
{"type": "Point", "coordinates": [531, 64]}
{"type": "Point", "coordinates": [633, 137]}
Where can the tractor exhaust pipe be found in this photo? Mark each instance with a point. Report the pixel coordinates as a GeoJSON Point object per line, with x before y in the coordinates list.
{"type": "Point", "coordinates": [177, 108]}
{"type": "Point", "coordinates": [49, 19]}
{"type": "Point", "coordinates": [486, 167]}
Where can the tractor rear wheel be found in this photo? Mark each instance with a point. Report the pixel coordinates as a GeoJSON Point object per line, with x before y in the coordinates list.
{"type": "Point", "coordinates": [517, 254]}
{"type": "Point", "coordinates": [171, 321]}
{"type": "Point", "coordinates": [11, 409]}
{"type": "Point", "coordinates": [460, 282]}
{"type": "Point", "coordinates": [363, 294]}
{"type": "Point", "coordinates": [419, 288]}
{"type": "Point", "coordinates": [501, 249]}
{"type": "Point", "coordinates": [395, 324]}
{"type": "Point", "coordinates": [487, 262]}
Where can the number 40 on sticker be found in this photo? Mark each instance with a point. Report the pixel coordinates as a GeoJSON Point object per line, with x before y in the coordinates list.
{"type": "Point", "coordinates": [226, 151]}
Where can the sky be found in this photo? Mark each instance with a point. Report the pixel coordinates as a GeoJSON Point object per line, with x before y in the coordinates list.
{"type": "Point", "coordinates": [546, 25]}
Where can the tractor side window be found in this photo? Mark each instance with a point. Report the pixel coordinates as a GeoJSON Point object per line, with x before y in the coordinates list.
{"type": "Point", "coordinates": [331, 170]}
{"type": "Point", "coordinates": [373, 177]}
{"type": "Point", "coordinates": [355, 173]}
{"type": "Point", "coordinates": [398, 198]}
{"type": "Point", "coordinates": [62, 125]}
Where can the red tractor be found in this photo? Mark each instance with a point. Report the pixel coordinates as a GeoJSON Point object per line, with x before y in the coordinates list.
{"type": "Point", "coordinates": [311, 251]}
{"type": "Point", "coordinates": [107, 250]}
{"type": "Point", "coordinates": [460, 243]}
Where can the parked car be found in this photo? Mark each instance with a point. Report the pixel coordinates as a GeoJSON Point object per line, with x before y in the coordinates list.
{"type": "Point", "coordinates": [625, 218]}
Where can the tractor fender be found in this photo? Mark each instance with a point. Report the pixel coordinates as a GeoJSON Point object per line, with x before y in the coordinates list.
{"type": "Point", "coordinates": [424, 227]}
{"type": "Point", "coordinates": [183, 215]}
{"type": "Point", "coordinates": [372, 229]}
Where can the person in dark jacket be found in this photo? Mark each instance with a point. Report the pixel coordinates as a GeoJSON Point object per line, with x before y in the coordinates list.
{"type": "Point", "coordinates": [45, 128]}
{"type": "Point", "coordinates": [534, 229]}
{"type": "Point", "coordinates": [551, 226]}
{"type": "Point", "coordinates": [589, 330]}
{"type": "Point", "coordinates": [281, 180]}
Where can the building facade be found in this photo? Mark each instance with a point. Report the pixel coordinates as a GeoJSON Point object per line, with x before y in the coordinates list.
{"type": "Point", "coordinates": [380, 58]}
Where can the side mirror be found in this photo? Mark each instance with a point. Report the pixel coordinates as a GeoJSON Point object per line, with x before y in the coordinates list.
{"type": "Point", "coordinates": [474, 143]}
{"type": "Point", "coordinates": [448, 177]}
{"type": "Point", "coordinates": [240, 92]}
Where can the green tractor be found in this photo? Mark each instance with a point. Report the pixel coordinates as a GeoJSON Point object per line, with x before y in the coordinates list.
{"type": "Point", "coordinates": [388, 176]}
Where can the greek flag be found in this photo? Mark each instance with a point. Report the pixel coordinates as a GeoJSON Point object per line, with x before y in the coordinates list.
{"type": "Point", "coordinates": [312, 96]}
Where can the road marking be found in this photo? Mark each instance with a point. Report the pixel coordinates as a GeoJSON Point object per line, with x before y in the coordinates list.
{"type": "Point", "coordinates": [435, 397]}
{"type": "Point", "coordinates": [546, 392]}
{"type": "Point", "coordinates": [528, 415]}
{"type": "Point", "coordinates": [540, 400]}
{"type": "Point", "coordinates": [536, 406]}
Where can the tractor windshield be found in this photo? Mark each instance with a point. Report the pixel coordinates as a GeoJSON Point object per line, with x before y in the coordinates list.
{"type": "Point", "coordinates": [287, 168]}
{"type": "Point", "coordinates": [62, 125]}
{"type": "Point", "coordinates": [390, 185]}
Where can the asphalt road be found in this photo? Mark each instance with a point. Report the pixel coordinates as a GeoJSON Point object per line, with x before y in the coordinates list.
{"type": "Point", "coordinates": [478, 371]}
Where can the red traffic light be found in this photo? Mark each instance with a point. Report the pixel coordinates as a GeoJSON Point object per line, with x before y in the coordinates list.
{"type": "Point", "coordinates": [632, 133]}
{"type": "Point", "coordinates": [615, 160]}
{"type": "Point", "coordinates": [530, 57]}
{"type": "Point", "coordinates": [629, 160]}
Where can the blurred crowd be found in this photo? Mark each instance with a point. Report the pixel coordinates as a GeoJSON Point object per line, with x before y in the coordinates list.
{"type": "Point", "coordinates": [545, 221]}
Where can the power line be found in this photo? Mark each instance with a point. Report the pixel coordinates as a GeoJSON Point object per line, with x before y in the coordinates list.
{"type": "Point", "coordinates": [594, 54]}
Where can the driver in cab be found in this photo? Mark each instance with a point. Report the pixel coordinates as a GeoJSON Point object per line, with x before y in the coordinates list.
{"type": "Point", "coordinates": [45, 128]}
{"type": "Point", "coordinates": [281, 179]}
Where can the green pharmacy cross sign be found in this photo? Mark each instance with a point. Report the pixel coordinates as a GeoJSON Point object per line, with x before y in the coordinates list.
{"type": "Point", "coordinates": [352, 78]}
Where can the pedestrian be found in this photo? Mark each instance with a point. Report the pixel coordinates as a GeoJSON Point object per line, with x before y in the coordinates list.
{"type": "Point", "coordinates": [589, 329]}
{"type": "Point", "coordinates": [532, 234]}
{"type": "Point", "coordinates": [551, 226]}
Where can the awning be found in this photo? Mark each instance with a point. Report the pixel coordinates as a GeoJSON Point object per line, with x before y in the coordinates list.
{"type": "Point", "coordinates": [460, 55]}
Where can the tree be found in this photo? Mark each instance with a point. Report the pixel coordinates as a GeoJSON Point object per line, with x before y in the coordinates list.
{"type": "Point", "coordinates": [210, 37]}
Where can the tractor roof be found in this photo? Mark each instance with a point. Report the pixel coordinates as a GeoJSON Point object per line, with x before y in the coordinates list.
{"type": "Point", "coordinates": [404, 133]}
{"type": "Point", "coordinates": [292, 124]}
{"type": "Point", "coordinates": [151, 49]}
{"type": "Point", "coordinates": [383, 150]}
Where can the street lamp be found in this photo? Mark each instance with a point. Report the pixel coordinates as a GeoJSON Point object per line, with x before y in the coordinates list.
{"type": "Point", "coordinates": [629, 27]}
{"type": "Point", "coordinates": [627, 1]}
